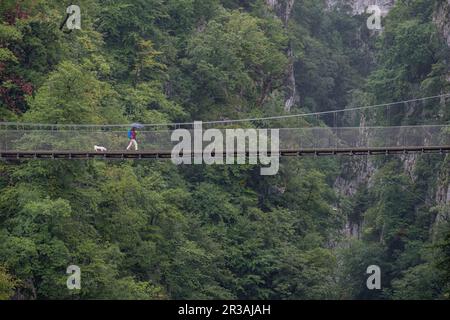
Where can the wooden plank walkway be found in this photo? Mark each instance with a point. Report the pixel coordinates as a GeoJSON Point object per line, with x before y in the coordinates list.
{"type": "Point", "coordinates": [166, 154]}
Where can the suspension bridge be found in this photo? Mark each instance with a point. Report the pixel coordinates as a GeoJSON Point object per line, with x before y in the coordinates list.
{"type": "Point", "coordinates": [50, 141]}
{"type": "Point", "coordinates": [79, 144]}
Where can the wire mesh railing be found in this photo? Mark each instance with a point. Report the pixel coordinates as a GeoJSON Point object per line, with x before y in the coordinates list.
{"type": "Point", "coordinates": [319, 138]}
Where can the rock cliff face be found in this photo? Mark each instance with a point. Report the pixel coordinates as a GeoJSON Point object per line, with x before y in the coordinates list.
{"type": "Point", "coordinates": [360, 171]}
{"type": "Point", "coordinates": [441, 16]}
{"type": "Point", "coordinates": [283, 9]}
{"type": "Point", "coordinates": [360, 6]}
{"type": "Point", "coordinates": [442, 19]}
{"type": "Point", "coordinates": [443, 193]}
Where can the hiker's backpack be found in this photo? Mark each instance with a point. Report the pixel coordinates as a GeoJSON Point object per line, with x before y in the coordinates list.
{"type": "Point", "coordinates": [129, 134]}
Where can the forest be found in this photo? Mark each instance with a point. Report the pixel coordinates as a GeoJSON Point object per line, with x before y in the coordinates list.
{"type": "Point", "coordinates": [150, 230]}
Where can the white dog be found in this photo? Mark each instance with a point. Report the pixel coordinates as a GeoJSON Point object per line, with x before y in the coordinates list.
{"type": "Point", "coordinates": [100, 149]}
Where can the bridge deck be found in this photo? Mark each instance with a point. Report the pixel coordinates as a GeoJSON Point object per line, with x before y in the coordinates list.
{"type": "Point", "coordinates": [165, 154]}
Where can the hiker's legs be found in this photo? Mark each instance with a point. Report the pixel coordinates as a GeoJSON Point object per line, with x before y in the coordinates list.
{"type": "Point", "coordinates": [132, 143]}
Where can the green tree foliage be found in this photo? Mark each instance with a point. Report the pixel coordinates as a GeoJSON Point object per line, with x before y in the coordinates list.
{"type": "Point", "coordinates": [235, 61]}
{"type": "Point", "coordinates": [74, 95]}
{"type": "Point", "coordinates": [151, 230]}
{"type": "Point", "coordinates": [7, 284]}
{"type": "Point", "coordinates": [412, 56]}
{"type": "Point", "coordinates": [398, 213]}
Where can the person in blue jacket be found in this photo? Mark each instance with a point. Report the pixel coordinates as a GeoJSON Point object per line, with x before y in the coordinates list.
{"type": "Point", "coordinates": [132, 137]}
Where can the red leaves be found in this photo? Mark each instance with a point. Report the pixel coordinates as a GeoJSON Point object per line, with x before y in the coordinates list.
{"type": "Point", "coordinates": [14, 88]}
{"type": "Point", "coordinates": [17, 13]}
{"type": "Point", "coordinates": [27, 88]}
{"type": "Point", "coordinates": [14, 95]}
